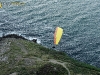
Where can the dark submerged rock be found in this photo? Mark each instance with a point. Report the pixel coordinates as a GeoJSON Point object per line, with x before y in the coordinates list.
{"type": "Point", "coordinates": [34, 40]}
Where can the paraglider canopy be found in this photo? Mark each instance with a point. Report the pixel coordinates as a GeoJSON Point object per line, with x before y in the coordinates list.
{"type": "Point", "coordinates": [16, 3]}
{"type": "Point", "coordinates": [57, 35]}
{"type": "Point", "coordinates": [0, 5]}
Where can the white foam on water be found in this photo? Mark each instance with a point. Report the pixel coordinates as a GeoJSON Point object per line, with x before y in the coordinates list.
{"type": "Point", "coordinates": [31, 38]}
{"type": "Point", "coordinates": [2, 11]}
{"type": "Point", "coordinates": [38, 41]}
{"type": "Point", "coordinates": [26, 1]}
{"type": "Point", "coordinates": [14, 32]}
{"type": "Point", "coordinates": [1, 34]}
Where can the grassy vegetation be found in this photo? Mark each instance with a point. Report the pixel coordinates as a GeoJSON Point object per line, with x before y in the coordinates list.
{"type": "Point", "coordinates": [36, 61]}
{"type": "Point", "coordinates": [52, 54]}
{"type": "Point", "coordinates": [45, 53]}
{"type": "Point", "coordinates": [52, 69]}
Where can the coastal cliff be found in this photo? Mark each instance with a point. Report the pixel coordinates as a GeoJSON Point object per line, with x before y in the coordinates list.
{"type": "Point", "coordinates": [19, 56]}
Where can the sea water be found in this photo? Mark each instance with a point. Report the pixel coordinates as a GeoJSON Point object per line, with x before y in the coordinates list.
{"type": "Point", "coordinates": [80, 20]}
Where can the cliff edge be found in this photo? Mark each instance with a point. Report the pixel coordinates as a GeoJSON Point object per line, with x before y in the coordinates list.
{"type": "Point", "coordinates": [19, 56]}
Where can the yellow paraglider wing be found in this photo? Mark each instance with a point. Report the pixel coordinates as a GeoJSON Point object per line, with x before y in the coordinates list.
{"type": "Point", "coordinates": [0, 5]}
{"type": "Point", "coordinates": [17, 3]}
{"type": "Point", "coordinates": [57, 35]}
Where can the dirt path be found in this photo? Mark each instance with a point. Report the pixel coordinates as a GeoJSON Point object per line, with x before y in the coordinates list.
{"type": "Point", "coordinates": [4, 47]}
{"type": "Point", "coordinates": [63, 64]}
{"type": "Point", "coordinates": [56, 62]}
{"type": "Point", "coordinates": [20, 45]}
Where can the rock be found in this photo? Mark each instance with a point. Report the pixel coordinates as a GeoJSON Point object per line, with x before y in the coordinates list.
{"type": "Point", "coordinates": [53, 47]}
{"type": "Point", "coordinates": [34, 40]}
{"type": "Point", "coordinates": [14, 73]}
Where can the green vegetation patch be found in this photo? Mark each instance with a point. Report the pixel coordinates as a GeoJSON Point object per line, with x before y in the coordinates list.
{"type": "Point", "coordinates": [52, 69]}
{"type": "Point", "coordinates": [36, 61]}
{"type": "Point", "coordinates": [14, 49]}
